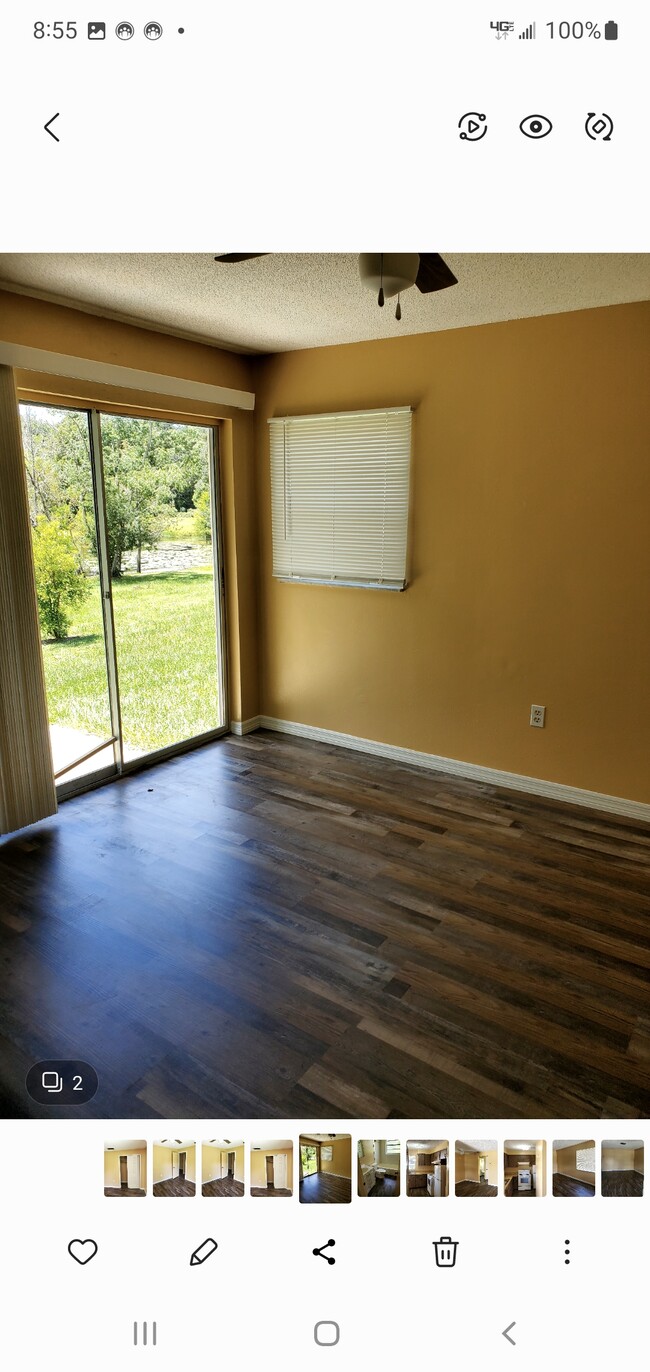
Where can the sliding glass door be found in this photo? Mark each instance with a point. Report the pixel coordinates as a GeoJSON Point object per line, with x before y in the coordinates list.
{"type": "Point", "coordinates": [125, 516]}
{"type": "Point", "coordinates": [160, 520]}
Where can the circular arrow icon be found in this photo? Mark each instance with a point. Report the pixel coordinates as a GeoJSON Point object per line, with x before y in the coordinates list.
{"type": "Point", "coordinates": [473, 127]}
{"type": "Point", "coordinates": [599, 126]}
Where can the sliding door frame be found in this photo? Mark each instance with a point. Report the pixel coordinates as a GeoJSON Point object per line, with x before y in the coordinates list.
{"type": "Point", "coordinates": [103, 559]}
{"type": "Point", "coordinates": [110, 771]}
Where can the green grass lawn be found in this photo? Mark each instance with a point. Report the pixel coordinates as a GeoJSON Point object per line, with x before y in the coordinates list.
{"type": "Point", "coordinates": [182, 528]}
{"type": "Point", "coordinates": [166, 657]}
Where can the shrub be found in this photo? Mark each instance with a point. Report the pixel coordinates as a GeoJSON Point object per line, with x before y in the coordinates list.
{"type": "Point", "coordinates": [203, 520]}
{"type": "Point", "coordinates": [60, 581]}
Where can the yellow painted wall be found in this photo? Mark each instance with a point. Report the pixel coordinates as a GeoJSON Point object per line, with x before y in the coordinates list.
{"type": "Point", "coordinates": [530, 551]}
{"type": "Point", "coordinates": [258, 1166]}
{"type": "Point", "coordinates": [55, 328]}
{"type": "Point", "coordinates": [467, 1166]}
{"type": "Point", "coordinates": [215, 1162]}
{"type": "Point", "coordinates": [162, 1163]}
{"type": "Point", "coordinates": [622, 1159]}
{"type": "Point", "coordinates": [618, 1160]}
{"type": "Point", "coordinates": [564, 1161]}
{"type": "Point", "coordinates": [340, 1162]}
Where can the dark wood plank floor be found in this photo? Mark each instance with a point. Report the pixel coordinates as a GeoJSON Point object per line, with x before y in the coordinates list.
{"type": "Point", "coordinates": [421, 1191]}
{"type": "Point", "coordinates": [122, 1191]}
{"type": "Point", "coordinates": [475, 1188]}
{"type": "Point", "coordinates": [227, 1186]}
{"type": "Point", "coordinates": [270, 927]}
{"type": "Point", "coordinates": [323, 1188]}
{"type": "Point", "coordinates": [174, 1186]}
{"type": "Point", "coordinates": [269, 1191]}
{"type": "Point", "coordinates": [568, 1186]}
{"type": "Point", "coordinates": [622, 1183]}
{"type": "Point", "coordinates": [386, 1186]}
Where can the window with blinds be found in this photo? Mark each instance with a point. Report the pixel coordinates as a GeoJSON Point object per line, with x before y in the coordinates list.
{"type": "Point", "coordinates": [585, 1159]}
{"type": "Point", "coordinates": [391, 1146]}
{"type": "Point", "coordinates": [340, 497]}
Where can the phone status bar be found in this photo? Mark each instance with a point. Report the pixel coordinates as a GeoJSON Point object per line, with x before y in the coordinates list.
{"type": "Point", "coordinates": [562, 30]}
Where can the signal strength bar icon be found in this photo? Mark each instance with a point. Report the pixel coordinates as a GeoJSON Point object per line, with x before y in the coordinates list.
{"type": "Point", "coordinates": [530, 32]}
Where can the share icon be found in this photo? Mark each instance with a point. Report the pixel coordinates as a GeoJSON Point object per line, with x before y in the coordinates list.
{"type": "Point", "coordinates": [318, 1252]}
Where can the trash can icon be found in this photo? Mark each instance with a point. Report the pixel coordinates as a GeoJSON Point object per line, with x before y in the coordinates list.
{"type": "Point", "coordinates": [611, 30]}
{"type": "Point", "coordinates": [445, 1252]}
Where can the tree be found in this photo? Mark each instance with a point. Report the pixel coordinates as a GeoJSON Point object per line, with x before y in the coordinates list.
{"type": "Point", "coordinates": [61, 584]}
{"type": "Point", "coordinates": [151, 468]}
{"type": "Point", "coordinates": [138, 506]}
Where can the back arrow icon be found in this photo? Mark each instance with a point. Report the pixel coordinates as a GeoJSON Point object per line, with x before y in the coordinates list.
{"type": "Point", "coordinates": [506, 1333]}
{"type": "Point", "coordinates": [48, 129]}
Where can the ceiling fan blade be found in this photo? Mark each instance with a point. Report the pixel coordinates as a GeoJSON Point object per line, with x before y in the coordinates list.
{"type": "Point", "coordinates": [433, 273]}
{"type": "Point", "coordinates": [239, 256]}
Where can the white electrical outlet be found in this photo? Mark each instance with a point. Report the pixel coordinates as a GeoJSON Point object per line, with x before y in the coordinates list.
{"type": "Point", "coordinates": [537, 716]}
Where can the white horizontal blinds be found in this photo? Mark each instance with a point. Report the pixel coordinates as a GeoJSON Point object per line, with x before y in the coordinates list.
{"type": "Point", "coordinates": [340, 494]}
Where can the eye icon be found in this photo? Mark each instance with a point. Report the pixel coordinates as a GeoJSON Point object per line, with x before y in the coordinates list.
{"type": "Point", "coordinates": [536, 126]}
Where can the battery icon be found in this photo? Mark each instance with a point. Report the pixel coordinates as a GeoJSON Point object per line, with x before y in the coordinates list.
{"type": "Point", "coordinates": [611, 30]}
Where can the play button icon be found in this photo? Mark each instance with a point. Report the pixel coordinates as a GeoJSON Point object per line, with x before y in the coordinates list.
{"type": "Point", "coordinates": [473, 127]}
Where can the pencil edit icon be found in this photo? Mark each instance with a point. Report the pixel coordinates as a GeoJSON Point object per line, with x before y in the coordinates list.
{"type": "Point", "coordinates": [203, 1252]}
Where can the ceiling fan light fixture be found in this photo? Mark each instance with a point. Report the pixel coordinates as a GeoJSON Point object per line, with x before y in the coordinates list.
{"type": "Point", "coordinates": [391, 272]}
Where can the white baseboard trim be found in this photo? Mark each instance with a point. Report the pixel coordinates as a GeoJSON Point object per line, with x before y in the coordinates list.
{"type": "Point", "coordinates": [245, 726]}
{"type": "Point", "coordinates": [471, 771]}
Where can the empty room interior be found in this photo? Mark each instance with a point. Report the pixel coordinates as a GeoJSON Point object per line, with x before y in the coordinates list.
{"type": "Point", "coordinates": [125, 1168]}
{"type": "Point", "coordinates": [574, 1168]}
{"type": "Point", "coordinates": [272, 1168]}
{"type": "Point", "coordinates": [622, 1167]}
{"type": "Point", "coordinates": [174, 1167]}
{"type": "Point", "coordinates": [477, 1167]}
{"type": "Point", "coordinates": [324, 739]}
{"type": "Point", "coordinates": [325, 1162]}
{"type": "Point", "coordinates": [223, 1162]}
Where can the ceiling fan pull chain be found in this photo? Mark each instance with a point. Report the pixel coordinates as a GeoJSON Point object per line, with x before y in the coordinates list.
{"type": "Point", "coordinates": [398, 311]}
{"type": "Point", "coordinates": [380, 297]}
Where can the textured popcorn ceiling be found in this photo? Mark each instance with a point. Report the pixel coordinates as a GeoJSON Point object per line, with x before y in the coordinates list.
{"type": "Point", "coordinates": [573, 1143]}
{"type": "Point", "coordinates": [304, 300]}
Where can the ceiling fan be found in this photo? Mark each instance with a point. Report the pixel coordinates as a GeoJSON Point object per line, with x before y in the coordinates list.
{"type": "Point", "coordinates": [387, 273]}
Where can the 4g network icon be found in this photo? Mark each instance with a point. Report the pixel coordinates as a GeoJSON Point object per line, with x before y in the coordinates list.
{"type": "Point", "coordinates": [502, 27]}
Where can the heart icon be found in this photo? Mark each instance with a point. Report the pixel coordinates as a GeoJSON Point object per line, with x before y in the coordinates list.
{"type": "Point", "coordinates": [82, 1250]}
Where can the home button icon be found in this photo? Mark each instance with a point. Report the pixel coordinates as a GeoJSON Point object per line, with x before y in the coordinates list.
{"type": "Point", "coordinates": [326, 1333]}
